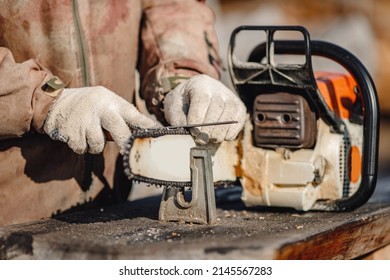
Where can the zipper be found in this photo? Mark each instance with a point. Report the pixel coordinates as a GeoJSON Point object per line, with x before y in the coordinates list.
{"type": "Point", "coordinates": [80, 37]}
{"type": "Point", "coordinates": [87, 160]}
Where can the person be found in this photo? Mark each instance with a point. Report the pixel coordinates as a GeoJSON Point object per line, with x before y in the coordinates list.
{"type": "Point", "coordinates": [67, 73]}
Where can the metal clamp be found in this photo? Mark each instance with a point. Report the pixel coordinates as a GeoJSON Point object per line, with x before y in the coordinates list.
{"type": "Point", "coordinates": [201, 208]}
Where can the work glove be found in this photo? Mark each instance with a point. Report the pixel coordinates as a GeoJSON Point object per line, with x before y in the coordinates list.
{"type": "Point", "coordinates": [203, 99]}
{"type": "Point", "coordinates": [79, 116]}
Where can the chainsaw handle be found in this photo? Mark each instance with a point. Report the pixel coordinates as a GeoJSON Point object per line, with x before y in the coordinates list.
{"type": "Point", "coordinates": [371, 112]}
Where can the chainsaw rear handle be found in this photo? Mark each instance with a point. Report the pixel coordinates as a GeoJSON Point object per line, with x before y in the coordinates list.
{"type": "Point", "coordinates": [368, 97]}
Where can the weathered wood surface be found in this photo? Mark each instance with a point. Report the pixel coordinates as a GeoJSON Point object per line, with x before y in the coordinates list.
{"type": "Point", "coordinates": [132, 231]}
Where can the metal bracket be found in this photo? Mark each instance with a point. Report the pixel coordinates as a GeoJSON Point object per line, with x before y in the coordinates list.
{"type": "Point", "coordinates": [201, 208]}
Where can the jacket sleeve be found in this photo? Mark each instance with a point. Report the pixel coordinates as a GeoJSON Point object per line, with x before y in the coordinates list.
{"type": "Point", "coordinates": [23, 103]}
{"type": "Point", "coordinates": [178, 41]}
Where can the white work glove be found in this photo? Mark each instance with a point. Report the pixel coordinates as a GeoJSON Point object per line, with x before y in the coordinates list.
{"type": "Point", "coordinates": [203, 99]}
{"type": "Point", "coordinates": [80, 114]}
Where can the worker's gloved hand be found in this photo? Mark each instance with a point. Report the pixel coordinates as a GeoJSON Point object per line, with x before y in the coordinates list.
{"type": "Point", "coordinates": [203, 99]}
{"type": "Point", "coordinates": [79, 115]}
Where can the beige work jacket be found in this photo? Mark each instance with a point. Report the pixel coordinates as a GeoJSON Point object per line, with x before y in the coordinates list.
{"type": "Point", "coordinates": [85, 43]}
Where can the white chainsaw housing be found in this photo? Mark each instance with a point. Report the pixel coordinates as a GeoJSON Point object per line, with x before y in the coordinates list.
{"type": "Point", "coordinates": [296, 179]}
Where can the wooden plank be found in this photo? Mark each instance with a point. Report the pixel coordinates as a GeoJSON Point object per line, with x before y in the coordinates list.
{"type": "Point", "coordinates": [132, 231]}
{"type": "Point", "coordinates": [349, 240]}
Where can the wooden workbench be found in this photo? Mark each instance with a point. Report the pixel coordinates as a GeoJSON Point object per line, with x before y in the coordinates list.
{"type": "Point", "coordinates": [132, 231]}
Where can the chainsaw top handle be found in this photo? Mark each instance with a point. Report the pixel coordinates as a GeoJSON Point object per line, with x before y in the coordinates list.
{"type": "Point", "coordinates": [266, 74]}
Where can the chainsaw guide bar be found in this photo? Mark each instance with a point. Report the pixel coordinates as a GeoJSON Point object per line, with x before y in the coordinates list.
{"type": "Point", "coordinates": [154, 133]}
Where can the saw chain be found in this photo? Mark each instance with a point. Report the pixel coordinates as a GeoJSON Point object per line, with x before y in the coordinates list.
{"type": "Point", "coordinates": [138, 132]}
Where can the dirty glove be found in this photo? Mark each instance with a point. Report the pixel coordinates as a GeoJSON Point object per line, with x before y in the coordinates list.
{"type": "Point", "coordinates": [79, 115]}
{"type": "Point", "coordinates": [203, 99]}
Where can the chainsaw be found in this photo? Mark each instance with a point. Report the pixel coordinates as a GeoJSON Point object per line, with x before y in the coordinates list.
{"type": "Point", "coordinates": [310, 141]}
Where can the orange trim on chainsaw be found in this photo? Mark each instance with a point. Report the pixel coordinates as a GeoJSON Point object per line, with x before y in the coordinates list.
{"type": "Point", "coordinates": [338, 91]}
